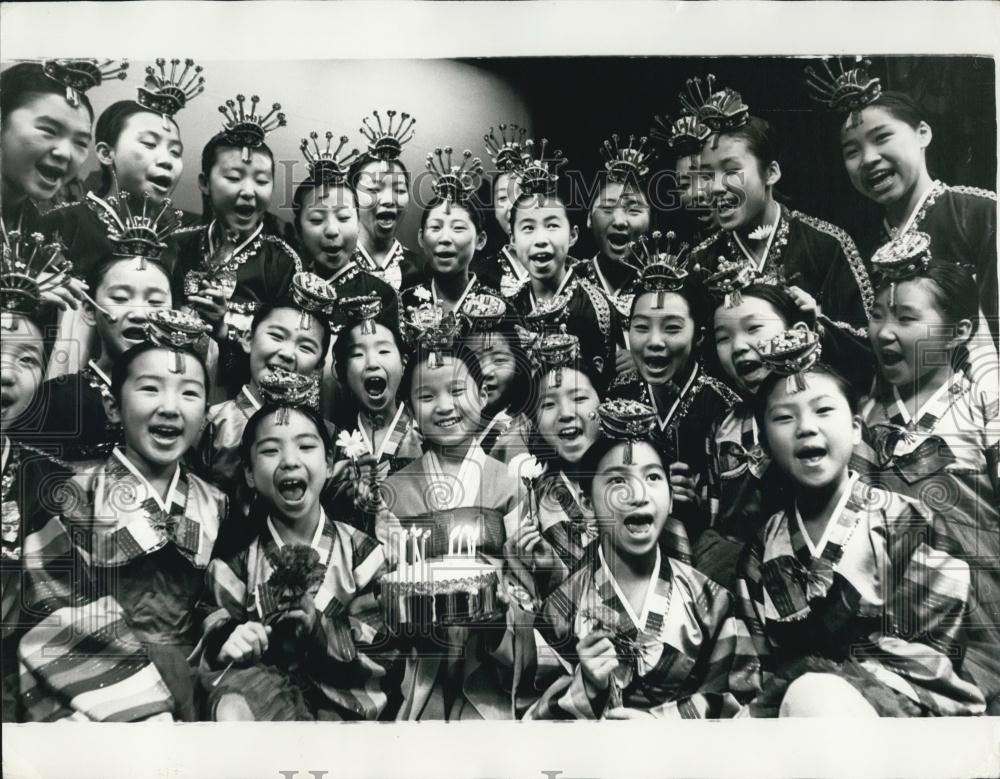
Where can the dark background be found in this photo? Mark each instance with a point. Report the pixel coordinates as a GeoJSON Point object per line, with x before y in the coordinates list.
{"type": "Point", "coordinates": [578, 102]}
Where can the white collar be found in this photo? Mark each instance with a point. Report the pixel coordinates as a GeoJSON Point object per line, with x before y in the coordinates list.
{"type": "Point", "coordinates": [341, 272]}
{"type": "Point", "coordinates": [100, 374]}
{"type": "Point", "coordinates": [817, 549]}
{"type": "Point", "coordinates": [250, 397]}
{"type": "Point", "coordinates": [385, 440]}
{"type": "Point", "coordinates": [239, 247]}
{"type": "Point", "coordinates": [316, 536]}
{"type": "Point", "coordinates": [600, 276]}
{"type": "Point", "coordinates": [164, 503]}
{"type": "Point", "coordinates": [767, 247]}
{"type": "Point", "coordinates": [562, 286]}
{"type": "Point", "coordinates": [639, 620]}
{"type": "Point", "coordinates": [515, 264]}
{"type": "Point", "coordinates": [390, 256]}
{"type": "Point", "coordinates": [934, 399]}
{"type": "Point", "coordinates": [468, 477]}
{"type": "Point", "coordinates": [461, 298]}
{"type": "Point", "coordinates": [665, 420]}
{"type": "Point", "coordinates": [5, 454]}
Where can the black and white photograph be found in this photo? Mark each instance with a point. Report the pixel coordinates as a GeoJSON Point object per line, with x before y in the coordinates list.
{"type": "Point", "coordinates": [357, 370]}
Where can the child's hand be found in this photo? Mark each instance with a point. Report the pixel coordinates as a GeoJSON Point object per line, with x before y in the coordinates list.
{"type": "Point", "coordinates": [682, 485]}
{"type": "Point", "coordinates": [806, 303]}
{"type": "Point", "coordinates": [528, 544]}
{"type": "Point", "coordinates": [623, 361]}
{"type": "Point", "coordinates": [211, 304]}
{"type": "Point", "coordinates": [245, 645]}
{"type": "Point", "coordinates": [598, 658]}
{"type": "Point", "coordinates": [68, 296]}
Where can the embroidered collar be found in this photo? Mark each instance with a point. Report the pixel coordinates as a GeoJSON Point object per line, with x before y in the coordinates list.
{"type": "Point", "coordinates": [163, 503]}
{"type": "Point", "coordinates": [567, 279]}
{"type": "Point", "coordinates": [919, 210]}
{"type": "Point", "coordinates": [316, 539]}
{"type": "Point", "coordinates": [461, 298]}
{"type": "Point", "coordinates": [639, 620]}
{"type": "Point", "coordinates": [342, 275]}
{"type": "Point", "coordinates": [605, 284]}
{"type": "Point", "coordinates": [239, 247]}
{"type": "Point", "coordinates": [98, 374]}
{"type": "Point", "coordinates": [759, 265]}
{"type": "Point", "coordinates": [515, 266]}
{"type": "Point", "coordinates": [392, 257]}
{"type": "Point", "coordinates": [933, 408]}
{"type": "Point", "coordinates": [396, 431]}
{"type": "Point", "coordinates": [664, 420]}
{"type": "Point", "coordinates": [832, 524]}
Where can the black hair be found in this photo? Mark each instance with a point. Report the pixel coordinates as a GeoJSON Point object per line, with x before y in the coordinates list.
{"type": "Point", "coordinates": [421, 354]}
{"type": "Point", "coordinates": [900, 105]}
{"type": "Point", "coordinates": [96, 275]}
{"type": "Point", "coordinates": [359, 164]}
{"type": "Point", "coordinates": [760, 138]}
{"type": "Point", "coordinates": [519, 396]}
{"type": "Point", "coordinates": [541, 448]}
{"type": "Point", "coordinates": [307, 186]}
{"type": "Point", "coordinates": [345, 341]}
{"type": "Point", "coordinates": [119, 373]}
{"type": "Point", "coordinates": [586, 469]}
{"type": "Point", "coordinates": [266, 309]}
{"type": "Point", "coordinates": [109, 127]}
{"type": "Point", "coordinates": [631, 184]}
{"type": "Point", "coordinates": [698, 300]}
{"type": "Point", "coordinates": [21, 83]}
{"type": "Point", "coordinates": [267, 410]}
{"type": "Point", "coordinates": [529, 199]}
{"type": "Point", "coordinates": [774, 380]}
{"type": "Point", "coordinates": [475, 215]}
{"type": "Point", "coordinates": [779, 299]}
{"type": "Point", "coordinates": [209, 156]}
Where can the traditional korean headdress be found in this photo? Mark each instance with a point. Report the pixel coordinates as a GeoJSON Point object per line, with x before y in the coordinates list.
{"type": "Point", "coordinates": [363, 310]}
{"type": "Point", "coordinates": [327, 166]}
{"type": "Point", "coordinates": [846, 89]}
{"type": "Point", "coordinates": [450, 182]}
{"type": "Point", "coordinates": [29, 267]}
{"type": "Point", "coordinates": [506, 148]}
{"type": "Point", "coordinates": [548, 314]}
{"type": "Point", "coordinates": [286, 390]}
{"type": "Point", "coordinates": [904, 257]}
{"type": "Point", "coordinates": [428, 326]}
{"type": "Point", "coordinates": [246, 128]}
{"type": "Point", "coordinates": [485, 313]}
{"type": "Point", "coordinates": [136, 232]}
{"type": "Point", "coordinates": [552, 352]}
{"type": "Point", "coordinates": [314, 296]}
{"type": "Point", "coordinates": [167, 94]}
{"type": "Point", "coordinates": [79, 75]}
{"type": "Point", "coordinates": [791, 354]}
{"type": "Point", "coordinates": [720, 110]}
{"type": "Point", "coordinates": [626, 162]}
{"type": "Point", "coordinates": [628, 421]}
{"type": "Point", "coordinates": [730, 279]}
{"type": "Point", "coordinates": [386, 143]}
{"type": "Point", "coordinates": [685, 136]}
{"type": "Point", "coordinates": [177, 331]}
{"type": "Point", "coordinates": [662, 268]}
{"type": "Point", "coordinates": [538, 172]}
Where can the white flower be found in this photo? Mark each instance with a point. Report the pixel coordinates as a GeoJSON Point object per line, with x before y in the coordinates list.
{"type": "Point", "coordinates": [352, 443]}
{"type": "Point", "coordinates": [525, 467]}
{"type": "Point", "coordinates": [762, 233]}
{"type": "Point", "coordinates": [421, 293]}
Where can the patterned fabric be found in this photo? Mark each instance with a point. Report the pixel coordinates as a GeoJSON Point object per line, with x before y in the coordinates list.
{"type": "Point", "coordinates": [882, 591]}
{"type": "Point", "coordinates": [341, 666]}
{"type": "Point", "coordinates": [219, 450]}
{"type": "Point", "coordinates": [690, 656]}
{"type": "Point", "coordinates": [400, 269]}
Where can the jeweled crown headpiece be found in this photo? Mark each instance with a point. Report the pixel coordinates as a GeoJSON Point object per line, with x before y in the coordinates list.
{"type": "Point", "coordinates": [287, 389]}
{"type": "Point", "coordinates": [454, 183]}
{"type": "Point", "coordinates": [686, 135]}
{"type": "Point", "coordinates": [547, 313]}
{"type": "Point", "coordinates": [30, 266]}
{"type": "Point", "coordinates": [904, 257]}
{"type": "Point", "coordinates": [626, 420]}
{"type": "Point", "coordinates": [361, 310]}
{"type": "Point", "coordinates": [484, 311]}
{"type": "Point", "coordinates": [626, 162]}
{"type": "Point", "coordinates": [168, 94]}
{"type": "Point", "coordinates": [538, 173]}
{"type": "Point", "coordinates": [721, 110]}
{"type": "Point", "coordinates": [790, 354]}
{"type": "Point", "coordinates": [327, 166]}
{"type": "Point", "coordinates": [176, 330]}
{"type": "Point", "coordinates": [847, 89]}
{"type": "Point", "coordinates": [79, 75]}
{"type": "Point", "coordinates": [314, 296]}
{"type": "Point", "coordinates": [246, 128]}
{"type": "Point", "coordinates": [552, 352]}
{"type": "Point", "coordinates": [506, 149]}
{"type": "Point", "coordinates": [429, 326]}
{"type": "Point", "coordinates": [386, 143]}
{"type": "Point", "coordinates": [729, 279]}
{"type": "Point", "coordinates": [662, 267]}
{"type": "Point", "coordinates": [136, 233]}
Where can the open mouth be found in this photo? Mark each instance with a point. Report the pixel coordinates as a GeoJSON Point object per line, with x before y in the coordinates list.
{"type": "Point", "coordinates": [541, 258]}
{"type": "Point", "coordinates": [639, 524]}
{"type": "Point", "coordinates": [656, 362]}
{"type": "Point", "coordinates": [330, 249]}
{"type": "Point", "coordinates": [50, 174]}
{"type": "Point", "coordinates": [727, 206]}
{"type": "Point", "coordinates": [375, 387]}
{"type": "Point", "coordinates": [810, 455]}
{"type": "Point", "coordinates": [6, 400]}
{"type": "Point", "coordinates": [245, 210]}
{"type": "Point", "coordinates": [449, 422]}
{"type": "Point", "coordinates": [134, 333]}
{"type": "Point", "coordinates": [165, 435]}
{"type": "Point", "coordinates": [385, 218]}
{"type": "Point", "coordinates": [747, 368]}
{"type": "Point", "coordinates": [161, 182]}
{"type": "Point", "coordinates": [571, 433]}
{"type": "Point", "coordinates": [292, 490]}
{"type": "Point", "coordinates": [618, 241]}
{"type": "Point", "coordinates": [890, 359]}
{"type": "Point", "coordinates": [879, 180]}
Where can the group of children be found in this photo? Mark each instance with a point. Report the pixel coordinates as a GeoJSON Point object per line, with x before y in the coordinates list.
{"type": "Point", "coordinates": [756, 477]}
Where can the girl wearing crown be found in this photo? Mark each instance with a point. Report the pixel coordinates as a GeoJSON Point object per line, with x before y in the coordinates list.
{"type": "Point", "coordinates": [740, 159]}
{"type": "Point", "coordinates": [236, 262]}
{"type": "Point", "coordinates": [146, 526]}
{"type": "Point", "coordinates": [297, 633]}
{"type": "Point", "coordinates": [383, 186]}
{"type": "Point", "coordinates": [830, 585]}
{"type": "Point", "coordinates": [684, 138]}
{"type": "Point", "coordinates": [644, 634]}
{"type": "Point", "coordinates": [884, 137]}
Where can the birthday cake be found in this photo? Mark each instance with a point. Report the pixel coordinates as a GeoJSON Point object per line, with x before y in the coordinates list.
{"type": "Point", "coordinates": [452, 590]}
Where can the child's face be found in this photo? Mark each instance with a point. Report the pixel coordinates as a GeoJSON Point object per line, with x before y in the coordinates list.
{"type": "Point", "coordinates": [738, 330]}
{"type": "Point", "coordinates": [240, 191]}
{"type": "Point", "coordinates": [632, 502]}
{"type": "Point", "coordinates": [446, 402]}
{"type": "Point", "coordinates": [130, 294]}
{"type": "Point", "coordinates": [279, 342]}
{"type": "Point", "coordinates": [811, 433]}
{"type": "Point", "coordinates": [22, 368]}
{"type": "Point", "coordinates": [883, 155]}
{"type": "Point", "coordinates": [289, 465]}
{"type": "Point", "coordinates": [620, 215]}
{"type": "Point", "coordinates": [911, 338]}
{"type": "Point", "coordinates": [567, 415]}
{"type": "Point", "coordinates": [161, 411]}
{"type": "Point", "coordinates": [499, 368]}
{"type": "Point", "coordinates": [43, 144]}
{"type": "Point", "coordinates": [738, 187]}
{"type": "Point", "coordinates": [506, 189]}
{"type": "Point", "coordinates": [661, 339]}
{"type": "Point", "coordinates": [147, 159]}
{"type": "Point", "coordinates": [328, 227]}
{"type": "Point", "coordinates": [543, 237]}
{"type": "Point", "coordinates": [382, 198]}
{"type": "Point", "coordinates": [374, 367]}
{"type": "Point", "coordinates": [449, 239]}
